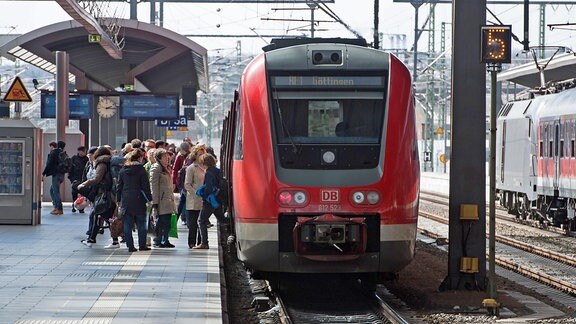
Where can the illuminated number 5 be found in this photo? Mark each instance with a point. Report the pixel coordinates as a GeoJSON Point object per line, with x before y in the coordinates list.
{"type": "Point", "coordinates": [496, 44]}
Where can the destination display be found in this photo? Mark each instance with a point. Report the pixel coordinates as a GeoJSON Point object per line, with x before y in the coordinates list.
{"type": "Point", "coordinates": [149, 107]}
{"type": "Point", "coordinates": [328, 81]}
{"type": "Point", "coordinates": [80, 106]}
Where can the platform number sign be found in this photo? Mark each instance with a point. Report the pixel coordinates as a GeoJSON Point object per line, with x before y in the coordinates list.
{"type": "Point", "coordinates": [496, 44]}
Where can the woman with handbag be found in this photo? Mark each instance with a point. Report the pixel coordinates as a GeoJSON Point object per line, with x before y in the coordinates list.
{"type": "Point", "coordinates": [133, 192]}
{"type": "Point", "coordinates": [102, 180]}
{"type": "Point", "coordinates": [193, 180]}
{"type": "Point", "coordinates": [162, 197]}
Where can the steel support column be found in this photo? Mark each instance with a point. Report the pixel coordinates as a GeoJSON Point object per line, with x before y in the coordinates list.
{"type": "Point", "coordinates": [61, 95]}
{"type": "Point", "coordinates": [468, 162]}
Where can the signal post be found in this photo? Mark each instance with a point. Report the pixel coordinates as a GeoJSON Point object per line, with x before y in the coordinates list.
{"type": "Point", "coordinates": [496, 49]}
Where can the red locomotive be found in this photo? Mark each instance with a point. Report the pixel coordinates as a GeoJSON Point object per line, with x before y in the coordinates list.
{"type": "Point", "coordinates": [319, 150]}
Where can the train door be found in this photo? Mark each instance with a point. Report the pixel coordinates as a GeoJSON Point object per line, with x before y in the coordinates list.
{"type": "Point", "coordinates": [571, 154]}
{"type": "Point", "coordinates": [533, 165]}
{"type": "Point", "coordinates": [503, 152]}
{"type": "Point", "coordinates": [544, 153]}
{"type": "Point", "coordinates": [556, 155]}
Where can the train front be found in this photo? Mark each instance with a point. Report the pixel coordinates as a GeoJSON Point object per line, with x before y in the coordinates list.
{"type": "Point", "coordinates": [326, 171]}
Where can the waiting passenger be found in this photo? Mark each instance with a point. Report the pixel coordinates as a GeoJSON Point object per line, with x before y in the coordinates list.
{"type": "Point", "coordinates": [52, 169]}
{"type": "Point", "coordinates": [209, 204]}
{"type": "Point", "coordinates": [132, 195]}
{"type": "Point", "coordinates": [75, 175]}
{"type": "Point", "coordinates": [342, 129]}
{"type": "Point", "coordinates": [193, 180]}
{"type": "Point", "coordinates": [162, 197]}
{"type": "Point", "coordinates": [103, 182]}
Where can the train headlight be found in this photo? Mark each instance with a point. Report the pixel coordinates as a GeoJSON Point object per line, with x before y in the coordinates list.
{"type": "Point", "coordinates": [365, 197]}
{"type": "Point", "coordinates": [299, 197]}
{"type": "Point", "coordinates": [292, 198]}
{"type": "Point", "coordinates": [358, 197]}
{"type": "Point", "coordinates": [328, 157]}
{"type": "Point", "coordinates": [373, 197]}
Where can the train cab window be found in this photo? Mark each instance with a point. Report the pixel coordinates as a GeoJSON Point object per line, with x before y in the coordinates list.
{"type": "Point", "coordinates": [344, 118]}
{"type": "Point", "coordinates": [328, 109]}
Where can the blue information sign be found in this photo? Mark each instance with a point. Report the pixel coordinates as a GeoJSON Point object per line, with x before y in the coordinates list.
{"type": "Point", "coordinates": [180, 122]}
{"type": "Point", "coordinates": [149, 106]}
{"type": "Point", "coordinates": [80, 106]}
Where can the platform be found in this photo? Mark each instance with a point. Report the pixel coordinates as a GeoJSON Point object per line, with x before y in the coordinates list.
{"type": "Point", "coordinates": [48, 276]}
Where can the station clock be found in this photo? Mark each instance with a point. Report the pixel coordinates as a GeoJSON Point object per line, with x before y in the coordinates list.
{"type": "Point", "coordinates": [106, 107]}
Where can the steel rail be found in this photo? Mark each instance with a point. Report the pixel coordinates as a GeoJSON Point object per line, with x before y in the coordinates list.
{"type": "Point", "coordinates": [525, 271]}
{"type": "Point", "coordinates": [506, 217]}
{"type": "Point", "coordinates": [389, 312]}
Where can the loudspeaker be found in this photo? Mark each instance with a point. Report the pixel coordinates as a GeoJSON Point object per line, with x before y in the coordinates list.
{"type": "Point", "coordinates": [190, 113]}
{"type": "Point", "coordinates": [189, 95]}
{"type": "Point", "coordinates": [4, 109]}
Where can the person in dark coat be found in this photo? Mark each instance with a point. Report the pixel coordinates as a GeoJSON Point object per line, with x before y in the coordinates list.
{"type": "Point", "coordinates": [132, 195]}
{"type": "Point", "coordinates": [103, 180]}
{"type": "Point", "coordinates": [211, 185]}
{"type": "Point", "coordinates": [51, 169]}
{"type": "Point", "coordinates": [75, 175]}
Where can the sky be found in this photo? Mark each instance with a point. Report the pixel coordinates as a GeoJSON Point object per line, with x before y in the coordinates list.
{"type": "Point", "coordinates": [17, 17]}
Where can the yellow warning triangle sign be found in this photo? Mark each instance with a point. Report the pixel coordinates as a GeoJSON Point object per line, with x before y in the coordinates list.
{"type": "Point", "coordinates": [17, 92]}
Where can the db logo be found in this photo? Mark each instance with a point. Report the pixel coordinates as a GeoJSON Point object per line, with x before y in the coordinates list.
{"type": "Point", "coordinates": [329, 195]}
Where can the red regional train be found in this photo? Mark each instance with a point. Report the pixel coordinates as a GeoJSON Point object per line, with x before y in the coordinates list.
{"type": "Point", "coordinates": [320, 154]}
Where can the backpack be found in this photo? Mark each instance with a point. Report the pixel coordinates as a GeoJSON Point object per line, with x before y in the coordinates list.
{"type": "Point", "coordinates": [222, 192]}
{"type": "Point", "coordinates": [64, 163]}
{"type": "Point", "coordinates": [182, 174]}
{"type": "Point", "coordinates": [116, 164]}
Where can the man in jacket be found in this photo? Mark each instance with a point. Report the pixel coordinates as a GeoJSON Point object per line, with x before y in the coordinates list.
{"type": "Point", "coordinates": [75, 175]}
{"type": "Point", "coordinates": [51, 169]}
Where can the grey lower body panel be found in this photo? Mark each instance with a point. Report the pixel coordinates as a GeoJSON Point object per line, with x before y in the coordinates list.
{"type": "Point", "coordinates": [265, 256]}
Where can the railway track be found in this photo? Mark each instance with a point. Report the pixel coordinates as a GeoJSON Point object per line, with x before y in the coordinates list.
{"type": "Point", "coordinates": [524, 258]}
{"type": "Point", "coordinates": [320, 301]}
{"type": "Point", "coordinates": [501, 214]}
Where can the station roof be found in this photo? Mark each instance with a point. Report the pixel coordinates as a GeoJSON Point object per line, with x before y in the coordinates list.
{"type": "Point", "coordinates": [562, 67]}
{"type": "Point", "coordinates": [160, 60]}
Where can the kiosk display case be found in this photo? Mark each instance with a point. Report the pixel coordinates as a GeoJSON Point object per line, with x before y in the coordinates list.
{"type": "Point", "coordinates": [11, 167]}
{"type": "Point", "coordinates": [20, 172]}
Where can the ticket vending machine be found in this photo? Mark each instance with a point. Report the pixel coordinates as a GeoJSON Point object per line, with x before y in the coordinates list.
{"type": "Point", "coordinates": [20, 172]}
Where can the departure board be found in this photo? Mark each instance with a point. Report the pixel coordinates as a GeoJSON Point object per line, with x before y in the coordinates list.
{"type": "Point", "coordinates": [80, 106]}
{"type": "Point", "coordinates": [149, 106]}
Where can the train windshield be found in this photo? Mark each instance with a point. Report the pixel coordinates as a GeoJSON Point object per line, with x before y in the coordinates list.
{"type": "Point", "coordinates": [318, 116]}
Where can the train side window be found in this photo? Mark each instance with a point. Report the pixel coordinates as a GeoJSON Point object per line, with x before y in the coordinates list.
{"type": "Point", "coordinates": [238, 150]}
{"type": "Point", "coordinates": [550, 146]}
{"type": "Point", "coordinates": [572, 148]}
{"type": "Point", "coordinates": [541, 149]}
{"type": "Point", "coordinates": [561, 148]}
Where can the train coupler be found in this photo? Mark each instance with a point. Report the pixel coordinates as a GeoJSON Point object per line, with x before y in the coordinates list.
{"type": "Point", "coordinates": [330, 238]}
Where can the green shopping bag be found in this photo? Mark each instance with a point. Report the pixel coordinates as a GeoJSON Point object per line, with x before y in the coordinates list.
{"type": "Point", "coordinates": [173, 226]}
